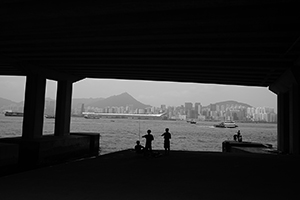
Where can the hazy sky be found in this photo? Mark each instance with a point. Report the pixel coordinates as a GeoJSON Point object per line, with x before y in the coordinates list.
{"type": "Point", "coordinates": [149, 92]}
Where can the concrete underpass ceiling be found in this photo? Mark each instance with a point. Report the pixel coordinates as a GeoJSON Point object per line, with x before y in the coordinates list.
{"type": "Point", "coordinates": [236, 42]}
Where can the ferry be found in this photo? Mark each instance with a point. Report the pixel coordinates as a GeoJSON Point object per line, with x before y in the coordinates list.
{"type": "Point", "coordinates": [227, 124]}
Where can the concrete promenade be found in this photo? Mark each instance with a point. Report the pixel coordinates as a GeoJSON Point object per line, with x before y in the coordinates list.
{"type": "Point", "coordinates": [180, 175]}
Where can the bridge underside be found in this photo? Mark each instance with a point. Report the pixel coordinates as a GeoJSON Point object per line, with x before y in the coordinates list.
{"type": "Point", "coordinates": [250, 43]}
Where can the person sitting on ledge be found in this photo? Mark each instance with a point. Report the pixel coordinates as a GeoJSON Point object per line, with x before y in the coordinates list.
{"type": "Point", "coordinates": [138, 148]}
{"type": "Point", "coordinates": [238, 137]}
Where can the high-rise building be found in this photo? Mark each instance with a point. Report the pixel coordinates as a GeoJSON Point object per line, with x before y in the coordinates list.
{"type": "Point", "coordinates": [198, 108]}
{"type": "Point", "coordinates": [217, 107]}
{"type": "Point", "coordinates": [222, 107]}
{"type": "Point", "coordinates": [188, 107]}
{"type": "Point", "coordinates": [213, 107]}
{"type": "Point", "coordinates": [82, 109]}
{"type": "Point", "coordinates": [141, 111]}
{"type": "Point", "coordinates": [272, 116]}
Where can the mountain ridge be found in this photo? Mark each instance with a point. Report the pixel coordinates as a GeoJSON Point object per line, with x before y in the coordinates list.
{"type": "Point", "coordinates": [123, 99]}
{"type": "Point", "coordinates": [231, 102]}
{"type": "Point", "coordinates": [6, 102]}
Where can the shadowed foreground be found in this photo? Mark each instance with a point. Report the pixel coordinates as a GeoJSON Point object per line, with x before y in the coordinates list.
{"type": "Point", "coordinates": [181, 175]}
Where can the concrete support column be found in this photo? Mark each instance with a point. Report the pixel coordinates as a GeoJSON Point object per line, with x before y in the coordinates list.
{"type": "Point", "coordinates": [287, 90]}
{"type": "Point", "coordinates": [294, 120]}
{"type": "Point", "coordinates": [63, 108]}
{"type": "Point", "coordinates": [34, 107]}
{"type": "Point", "coordinates": [283, 122]}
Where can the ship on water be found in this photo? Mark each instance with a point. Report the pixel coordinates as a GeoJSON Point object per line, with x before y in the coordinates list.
{"type": "Point", "coordinates": [50, 116]}
{"type": "Point", "coordinates": [13, 114]}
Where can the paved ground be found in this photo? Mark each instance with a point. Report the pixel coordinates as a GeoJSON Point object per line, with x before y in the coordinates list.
{"type": "Point", "coordinates": [181, 175]}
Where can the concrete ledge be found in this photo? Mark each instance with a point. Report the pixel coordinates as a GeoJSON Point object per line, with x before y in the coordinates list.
{"type": "Point", "coordinates": [9, 154]}
{"type": "Point", "coordinates": [246, 147]}
{"type": "Point", "coordinates": [51, 149]}
{"type": "Point", "coordinates": [251, 150]}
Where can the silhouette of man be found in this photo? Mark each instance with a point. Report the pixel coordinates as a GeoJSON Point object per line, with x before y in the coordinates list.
{"type": "Point", "coordinates": [149, 138]}
{"type": "Point", "coordinates": [138, 148]}
{"type": "Point", "coordinates": [167, 137]}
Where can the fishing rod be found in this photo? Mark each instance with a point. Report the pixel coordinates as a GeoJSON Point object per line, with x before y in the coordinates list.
{"type": "Point", "coordinates": [139, 130]}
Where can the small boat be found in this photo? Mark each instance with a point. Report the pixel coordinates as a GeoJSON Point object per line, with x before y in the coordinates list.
{"type": "Point", "coordinates": [227, 124]}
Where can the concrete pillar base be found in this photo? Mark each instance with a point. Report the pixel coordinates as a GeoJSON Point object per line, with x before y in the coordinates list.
{"type": "Point", "coordinates": [94, 141]}
{"type": "Point", "coordinates": [9, 154]}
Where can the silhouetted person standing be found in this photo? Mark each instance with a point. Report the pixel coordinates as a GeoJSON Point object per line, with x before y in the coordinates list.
{"type": "Point", "coordinates": [149, 138]}
{"type": "Point", "coordinates": [167, 137]}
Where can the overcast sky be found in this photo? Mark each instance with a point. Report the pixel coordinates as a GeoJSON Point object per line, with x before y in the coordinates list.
{"type": "Point", "coordinates": [149, 92]}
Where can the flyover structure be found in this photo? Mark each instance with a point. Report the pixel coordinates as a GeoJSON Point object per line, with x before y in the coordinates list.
{"type": "Point", "coordinates": [249, 43]}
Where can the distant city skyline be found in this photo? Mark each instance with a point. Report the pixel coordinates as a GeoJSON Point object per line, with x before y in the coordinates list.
{"type": "Point", "coordinates": [153, 93]}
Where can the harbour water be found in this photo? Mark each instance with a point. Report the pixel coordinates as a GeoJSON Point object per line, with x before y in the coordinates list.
{"type": "Point", "coordinates": [120, 134]}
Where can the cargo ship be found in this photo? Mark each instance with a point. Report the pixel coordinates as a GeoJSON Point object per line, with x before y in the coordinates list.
{"type": "Point", "coordinates": [13, 114]}
{"type": "Point", "coordinates": [50, 116]}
